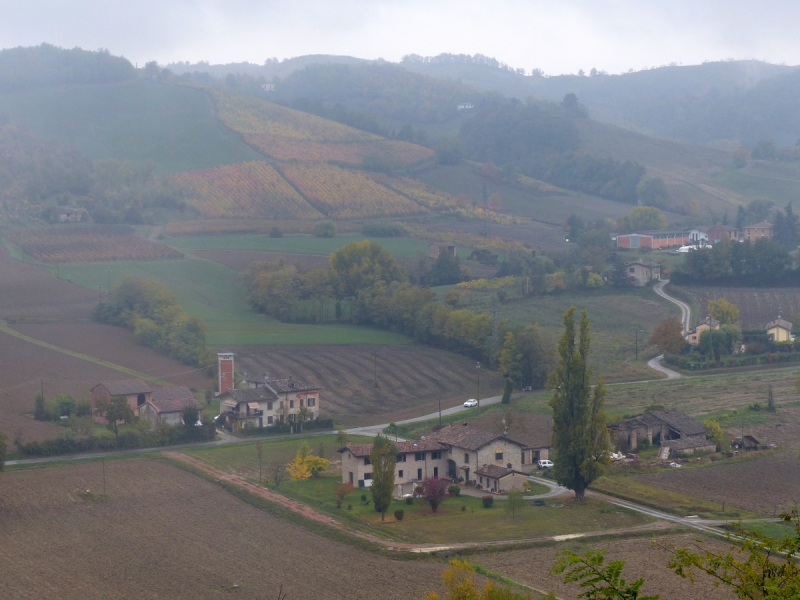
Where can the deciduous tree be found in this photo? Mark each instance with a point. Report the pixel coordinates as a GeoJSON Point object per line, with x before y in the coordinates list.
{"type": "Point", "coordinates": [458, 581]}
{"type": "Point", "coordinates": [597, 580]}
{"type": "Point", "coordinates": [716, 433]}
{"type": "Point", "coordinates": [727, 313]}
{"type": "Point", "coordinates": [383, 457]}
{"type": "Point", "coordinates": [434, 490]}
{"type": "Point", "coordinates": [114, 410]}
{"type": "Point", "coordinates": [668, 336]}
{"type": "Point", "coordinates": [580, 436]}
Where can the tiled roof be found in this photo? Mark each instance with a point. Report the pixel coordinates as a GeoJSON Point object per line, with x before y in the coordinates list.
{"type": "Point", "coordinates": [261, 394]}
{"type": "Point", "coordinates": [779, 323]}
{"type": "Point", "coordinates": [174, 399]}
{"type": "Point", "coordinates": [284, 386]}
{"type": "Point", "coordinates": [126, 386]}
{"type": "Point", "coordinates": [360, 450]}
{"type": "Point", "coordinates": [469, 438]}
{"type": "Point", "coordinates": [534, 431]}
{"type": "Point", "coordinates": [762, 225]}
{"type": "Point", "coordinates": [494, 471]}
{"type": "Point", "coordinates": [680, 422]}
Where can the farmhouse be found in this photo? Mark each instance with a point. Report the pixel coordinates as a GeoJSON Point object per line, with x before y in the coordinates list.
{"type": "Point", "coordinates": [779, 330]}
{"type": "Point", "coordinates": [717, 233]}
{"type": "Point", "coordinates": [658, 427]}
{"type": "Point", "coordinates": [269, 402]}
{"type": "Point", "coordinates": [693, 337]}
{"type": "Point", "coordinates": [642, 273]}
{"type": "Point", "coordinates": [136, 391]}
{"type": "Point", "coordinates": [751, 233]}
{"type": "Point", "coordinates": [166, 405]}
{"type": "Point", "coordinates": [435, 249]}
{"type": "Point", "coordinates": [69, 214]}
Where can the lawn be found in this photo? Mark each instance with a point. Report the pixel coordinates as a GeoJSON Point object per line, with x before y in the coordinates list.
{"type": "Point", "coordinates": [173, 126]}
{"type": "Point", "coordinates": [294, 244]}
{"type": "Point", "coordinates": [213, 293]}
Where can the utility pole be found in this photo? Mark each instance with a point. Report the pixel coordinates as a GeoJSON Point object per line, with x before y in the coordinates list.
{"type": "Point", "coordinates": [479, 388]}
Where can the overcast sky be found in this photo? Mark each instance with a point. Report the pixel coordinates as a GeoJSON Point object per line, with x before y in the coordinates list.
{"type": "Point", "coordinates": [557, 36]}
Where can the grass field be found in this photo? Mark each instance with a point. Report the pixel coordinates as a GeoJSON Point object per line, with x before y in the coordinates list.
{"type": "Point", "coordinates": [294, 244]}
{"type": "Point", "coordinates": [171, 125]}
{"type": "Point", "coordinates": [213, 293]}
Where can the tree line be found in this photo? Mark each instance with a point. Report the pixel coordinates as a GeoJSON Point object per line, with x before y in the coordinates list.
{"type": "Point", "coordinates": [365, 285]}
{"type": "Point", "coordinates": [151, 310]}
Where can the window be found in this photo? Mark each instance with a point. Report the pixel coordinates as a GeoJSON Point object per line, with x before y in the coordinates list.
{"type": "Point", "coordinates": [401, 458]}
{"type": "Point", "coordinates": [367, 476]}
{"type": "Point", "coordinates": [351, 478]}
{"type": "Point", "coordinates": [269, 406]}
{"type": "Point", "coordinates": [269, 420]}
{"type": "Point", "coordinates": [366, 460]}
{"type": "Point", "coordinates": [419, 474]}
{"type": "Point", "coordinates": [400, 473]}
{"type": "Point", "coordinates": [291, 403]}
{"type": "Point", "coordinates": [498, 454]}
{"type": "Point", "coordinates": [466, 458]}
{"type": "Point", "coordinates": [301, 403]}
{"type": "Point", "coordinates": [481, 480]}
{"type": "Point", "coordinates": [435, 455]}
{"type": "Point", "coordinates": [311, 402]}
{"type": "Point", "coordinates": [436, 472]}
{"type": "Point", "coordinates": [523, 457]}
{"type": "Point", "coordinates": [631, 270]}
{"type": "Point", "coordinates": [419, 456]}
{"type": "Point", "coordinates": [291, 418]}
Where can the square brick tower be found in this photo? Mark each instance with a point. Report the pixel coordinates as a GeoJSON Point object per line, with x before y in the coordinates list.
{"type": "Point", "coordinates": [225, 371]}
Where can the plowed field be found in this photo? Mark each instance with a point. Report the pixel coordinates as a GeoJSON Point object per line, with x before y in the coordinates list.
{"type": "Point", "coordinates": [757, 306]}
{"type": "Point", "coordinates": [764, 485]}
{"type": "Point", "coordinates": [164, 533]}
{"type": "Point", "coordinates": [642, 559]}
{"type": "Point", "coordinates": [412, 379]}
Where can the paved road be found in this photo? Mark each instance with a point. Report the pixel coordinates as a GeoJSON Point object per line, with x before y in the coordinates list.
{"type": "Point", "coordinates": [686, 313]}
{"type": "Point", "coordinates": [655, 363]}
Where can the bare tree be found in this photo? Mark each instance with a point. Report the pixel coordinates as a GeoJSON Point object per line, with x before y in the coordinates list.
{"type": "Point", "coordinates": [277, 472]}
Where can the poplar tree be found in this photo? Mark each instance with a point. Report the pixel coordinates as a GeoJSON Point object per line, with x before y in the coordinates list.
{"type": "Point", "coordinates": [580, 436]}
{"type": "Point", "coordinates": [383, 458]}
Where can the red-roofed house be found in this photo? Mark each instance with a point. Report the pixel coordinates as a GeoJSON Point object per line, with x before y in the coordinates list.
{"type": "Point", "coordinates": [136, 391]}
{"type": "Point", "coordinates": [166, 405]}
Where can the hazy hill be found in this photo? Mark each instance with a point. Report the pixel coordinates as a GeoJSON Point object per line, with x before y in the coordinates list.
{"type": "Point", "coordinates": [269, 69]}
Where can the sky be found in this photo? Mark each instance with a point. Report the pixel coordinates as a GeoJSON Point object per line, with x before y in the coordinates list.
{"type": "Point", "coordinates": [557, 36]}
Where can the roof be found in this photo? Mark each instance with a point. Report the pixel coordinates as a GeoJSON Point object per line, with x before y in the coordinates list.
{"type": "Point", "coordinates": [723, 227]}
{"type": "Point", "coordinates": [779, 323]}
{"type": "Point", "coordinates": [284, 386]}
{"type": "Point", "coordinates": [711, 322]}
{"type": "Point", "coordinates": [65, 210]}
{"type": "Point", "coordinates": [535, 431]}
{"type": "Point", "coordinates": [680, 422]}
{"type": "Point", "coordinates": [125, 386]}
{"type": "Point", "coordinates": [762, 225]}
{"type": "Point", "coordinates": [650, 265]}
{"type": "Point", "coordinates": [495, 471]}
{"type": "Point", "coordinates": [464, 436]}
{"type": "Point", "coordinates": [261, 394]}
{"type": "Point", "coordinates": [174, 399]}
{"type": "Point", "coordinates": [361, 450]}
{"type": "Point", "coordinates": [661, 232]}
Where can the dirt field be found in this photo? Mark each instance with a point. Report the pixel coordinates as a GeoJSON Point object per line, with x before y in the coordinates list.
{"type": "Point", "coordinates": [757, 306]}
{"type": "Point", "coordinates": [642, 559]}
{"type": "Point", "coordinates": [764, 485]}
{"type": "Point", "coordinates": [164, 533]}
{"type": "Point", "coordinates": [28, 292]}
{"type": "Point", "coordinates": [241, 259]}
{"type": "Point", "coordinates": [411, 378]}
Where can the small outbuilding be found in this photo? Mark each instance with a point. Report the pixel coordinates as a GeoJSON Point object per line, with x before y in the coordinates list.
{"type": "Point", "coordinates": [779, 330]}
{"type": "Point", "coordinates": [136, 391]}
{"type": "Point", "coordinates": [686, 447]}
{"type": "Point", "coordinates": [435, 249]}
{"type": "Point", "coordinates": [166, 406]}
{"type": "Point", "coordinates": [747, 442]}
{"type": "Point", "coordinates": [494, 478]}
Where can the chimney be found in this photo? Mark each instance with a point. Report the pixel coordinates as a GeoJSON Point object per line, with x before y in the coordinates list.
{"type": "Point", "coordinates": [225, 372]}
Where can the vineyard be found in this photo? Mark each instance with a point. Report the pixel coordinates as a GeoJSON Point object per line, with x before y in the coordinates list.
{"type": "Point", "coordinates": [286, 134]}
{"type": "Point", "coordinates": [251, 189]}
{"type": "Point", "coordinates": [343, 194]}
{"type": "Point", "coordinates": [757, 306]}
{"type": "Point", "coordinates": [223, 226]}
{"type": "Point", "coordinates": [417, 191]}
{"type": "Point", "coordinates": [89, 244]}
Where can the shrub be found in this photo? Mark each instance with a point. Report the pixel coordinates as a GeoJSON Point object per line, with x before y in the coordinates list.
{"type": "Point", "coordinates": [454, 489]}
{"type": "Point", "coordinates": [325, 229]}
{"type": "Point", "coordinates": [84, 408]}
{"type": "Point", "coordinates": [275, 232]}
{"type": "Point", "coordinates": [383, 230]}
{"type": "Point", "coordinates": [409, 500]}
{"type": "Point", "coordinates": [399, 514]}
{"type": "Point", "coordinates": [488, 501]}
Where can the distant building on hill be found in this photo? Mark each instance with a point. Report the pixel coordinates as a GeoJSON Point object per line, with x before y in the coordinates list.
{"type": "Point", "coordinates": [779, 330]}
{"type": "Point", "coordinates": [69, 214]}
{"type": "Point", "coordinates": [757, 231]}
{"type": "Point", "coordinates": [641, 273]}
{"type": "Point", "coordinates": [693, 337]}
{"type": "Point", "coordinates": [435, 249]}
{"type": "Point", "coordinates": [653, 239]}
{"type": "Point", "coordinates": [717, 233]}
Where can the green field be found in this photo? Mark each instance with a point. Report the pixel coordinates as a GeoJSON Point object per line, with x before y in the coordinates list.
{"type": "Point", "coordinates": [294, 244]}
{"type": "Point", "coordinates": [173, 126]}
{"type": "Point", "coordinates": [213, 293]}
{"type": "Point", "coordinates": [776, 181]}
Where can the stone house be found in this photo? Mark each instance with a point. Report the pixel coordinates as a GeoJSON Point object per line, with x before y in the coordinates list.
{"type": "Point", "coordinates": [268, 402]}
{"type": "Point", "coordinates": [500, 479]}
{"type": "Point", "coordinates": [657, 427]}
{"type": "Point", "coordinates": [136, 391]}
{"type": "Point", "coordinates": [642, 273]}
{"type": "Point", "coordinates": [166, 405]}
{"type": "Point", "coordinates": [779, 330]}
{"type": "Point", "coordinates": [693, 337]}
{"type": "Point", "coordinates": [751, 233]}
{"type": "Point", "coordinates": [686, 447]}
{"type": "Point", "coordinates": [434, 250]}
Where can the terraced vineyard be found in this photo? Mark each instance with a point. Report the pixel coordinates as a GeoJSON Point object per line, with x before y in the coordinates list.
{"type": "Point", "coordinates": [417, 191]}
{"type": "Point", "coordinates": [343, 194]}
{"type": "Point", "coordinates": [251, 189]}
{"type": "Point", "coordinates": [89, 244]}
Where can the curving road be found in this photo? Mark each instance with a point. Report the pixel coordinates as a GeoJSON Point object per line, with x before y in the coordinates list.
{"type": "Point", "coordinates": [686, 312]}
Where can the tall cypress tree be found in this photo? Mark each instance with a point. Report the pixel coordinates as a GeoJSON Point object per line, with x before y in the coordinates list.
{"type": "Point", "coordinates": [383, 458]}
{"type": "Point", "coordinates": [580, 436]}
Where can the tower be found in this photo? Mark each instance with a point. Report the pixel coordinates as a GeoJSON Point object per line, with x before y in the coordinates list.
{"type": "Point", "coordinates": [225, 372]}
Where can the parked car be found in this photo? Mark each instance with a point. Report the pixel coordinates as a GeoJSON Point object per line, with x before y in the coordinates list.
{"type": "Point", "coordinates": [471, 402]}
{"type": "Point", "coordinates": [545, 464]}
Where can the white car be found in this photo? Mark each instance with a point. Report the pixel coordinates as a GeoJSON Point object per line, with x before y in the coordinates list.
{"type": "Point", "coordinates": [545, 464]}
{"type": "Point", "coordinates": [471, 402]}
